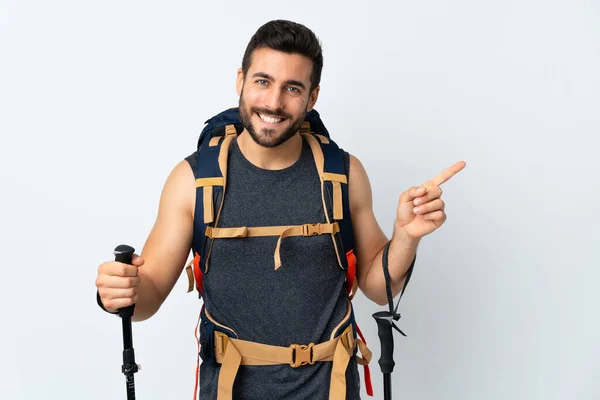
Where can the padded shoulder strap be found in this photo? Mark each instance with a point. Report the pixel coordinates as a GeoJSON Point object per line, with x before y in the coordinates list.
{"type": "Point", "coordinates": [211, 181]}
{"type": "Point", "coordinates": [330, 164]}
{"type": "Point", "coordinates": [336, 182]}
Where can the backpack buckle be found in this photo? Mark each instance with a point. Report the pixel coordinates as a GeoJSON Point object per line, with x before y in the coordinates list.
{"type": "Point", "coordinates": [230, 130]}
{"type": "Point", "coordinates": [302, 355]}
{"type": "Point", "coordinates": [305, 127]}
{"type": "Point", "coordinates": [221, 342]}
{"type": "Point", "coordinates": [347, 338]}
{"type": "Point", "coordinates": [311, 229]}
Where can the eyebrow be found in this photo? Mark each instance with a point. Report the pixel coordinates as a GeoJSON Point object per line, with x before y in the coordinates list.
{"type": "Point", "coordinates": [289, 81]}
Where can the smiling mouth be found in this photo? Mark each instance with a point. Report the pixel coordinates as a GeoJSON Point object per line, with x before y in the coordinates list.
{"type": "Point", "coordinates": [270, 120]}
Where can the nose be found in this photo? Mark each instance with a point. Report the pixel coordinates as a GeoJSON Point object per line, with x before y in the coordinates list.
{"type": "Point", "coordinates": [273, 99]}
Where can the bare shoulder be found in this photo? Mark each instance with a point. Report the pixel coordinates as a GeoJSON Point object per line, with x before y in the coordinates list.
{"type": "Point", "coordinates": [359, 186]}
{"type": "Point", "coordinates": [181, 175]}
{"type": "Point", "coordinates": [179, 191]}
{"type": "Point", "coordinates": [356, 166]}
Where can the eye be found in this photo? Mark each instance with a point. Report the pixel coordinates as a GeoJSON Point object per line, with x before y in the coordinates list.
{"type": "Point", "coordinates": [294, 89]}
{"type": "Point", "coordinates": [261, 82]}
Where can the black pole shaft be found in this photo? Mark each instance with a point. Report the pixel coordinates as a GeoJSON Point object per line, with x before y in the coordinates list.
{"type": "Point", "coordinates": [128, 359]}
{"type": "Point", "coordinates": [127, 333]}
{"type": "Point", "coordinates": [124, 254]}
{"type": "Point", "coordinates": [387, 386]}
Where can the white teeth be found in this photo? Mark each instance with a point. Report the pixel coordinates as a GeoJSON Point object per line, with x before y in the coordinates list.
{"type": "Point", "coordinates": [270, 120]}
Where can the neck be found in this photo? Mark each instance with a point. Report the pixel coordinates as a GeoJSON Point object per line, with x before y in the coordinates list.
{"type": "Point", "coordinates": [275, 158]}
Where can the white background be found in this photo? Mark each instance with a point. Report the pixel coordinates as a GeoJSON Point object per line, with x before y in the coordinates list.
{"type": "Point", "coordinates": [100, 99]}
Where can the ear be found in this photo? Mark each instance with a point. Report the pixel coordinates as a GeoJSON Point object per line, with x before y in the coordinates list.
{"type": "Point", "coordinates": [239, 81]}
{"type": "Point", "coordinates": [312, 99]}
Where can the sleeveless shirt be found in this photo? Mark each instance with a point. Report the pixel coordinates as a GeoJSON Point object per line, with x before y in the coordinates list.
{"type": "Point", "coordinates": [299, 303]}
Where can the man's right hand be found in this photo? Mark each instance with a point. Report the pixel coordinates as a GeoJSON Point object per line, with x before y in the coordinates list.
{"type": "Point", "coordinates": [118, 283]}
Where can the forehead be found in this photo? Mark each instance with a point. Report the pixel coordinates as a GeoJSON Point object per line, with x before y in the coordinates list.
{"type": "Point", "coordinates": [281, 66]}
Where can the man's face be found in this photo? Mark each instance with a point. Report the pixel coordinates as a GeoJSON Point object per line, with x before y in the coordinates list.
{"type": "Point", "coordinates": [275, 97]}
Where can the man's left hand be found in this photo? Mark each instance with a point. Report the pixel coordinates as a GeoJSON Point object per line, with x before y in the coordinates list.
{"type": "Point", "coordinates": [421, 209]}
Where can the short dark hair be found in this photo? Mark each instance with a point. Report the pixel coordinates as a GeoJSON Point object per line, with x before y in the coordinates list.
{"type": "Point", "coordinates": [289, 37]}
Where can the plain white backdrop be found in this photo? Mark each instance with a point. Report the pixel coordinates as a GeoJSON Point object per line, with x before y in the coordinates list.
{"type": "Point", "coordinates": [100, 99]}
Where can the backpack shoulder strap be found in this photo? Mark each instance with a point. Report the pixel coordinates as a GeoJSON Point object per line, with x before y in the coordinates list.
{"type": "Point", "coordinates": [333, 167]}
{"type": "Point", "coordinates": [211, 179]}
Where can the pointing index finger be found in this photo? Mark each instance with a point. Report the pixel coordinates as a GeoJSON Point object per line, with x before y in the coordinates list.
{"type": "Point", "coordinates": [448, 173]}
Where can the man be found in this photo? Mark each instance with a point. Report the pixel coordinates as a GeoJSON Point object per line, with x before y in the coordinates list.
{"type": "Point", "coordinates": [272, 181]}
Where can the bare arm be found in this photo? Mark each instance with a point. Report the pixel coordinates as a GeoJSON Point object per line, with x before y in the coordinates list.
{"type": "Point", "coordinates": [370, 241]}
{"type": "Point", "coordinates": [168, 245]}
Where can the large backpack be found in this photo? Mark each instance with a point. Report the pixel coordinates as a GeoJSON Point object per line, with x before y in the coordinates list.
{"type": "Point", "coordinates": [211, 182]}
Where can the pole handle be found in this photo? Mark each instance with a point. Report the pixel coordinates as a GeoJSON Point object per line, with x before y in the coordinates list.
{"type": "Point", "coordinates": [124, 254]}
{"type": "Point", "coordinates": [384, 331]}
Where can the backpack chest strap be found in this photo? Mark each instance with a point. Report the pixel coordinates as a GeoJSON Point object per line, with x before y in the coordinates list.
{"type": "Point", "coordinates": [281, 231]}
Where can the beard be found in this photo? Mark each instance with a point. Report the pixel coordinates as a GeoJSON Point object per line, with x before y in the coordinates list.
{"type": "Point", "coordinates": [268, 137]}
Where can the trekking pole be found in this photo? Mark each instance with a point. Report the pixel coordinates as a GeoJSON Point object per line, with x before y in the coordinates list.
{"type": "Point", "coordinates": [386, 361]}
{"type": "Point", "coordinates": [124, 254]}
{"type": "Point", "coordinates": [385, 323]}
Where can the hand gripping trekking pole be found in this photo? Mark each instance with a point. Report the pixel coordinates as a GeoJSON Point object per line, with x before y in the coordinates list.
{"type": "Point", "coordinates": [385, 323]}
{"type": "Point", "coordinates": [124, 254]}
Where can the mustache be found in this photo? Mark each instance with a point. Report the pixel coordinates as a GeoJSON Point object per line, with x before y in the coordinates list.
{"type": "Point", "coordinates": [270, 113]}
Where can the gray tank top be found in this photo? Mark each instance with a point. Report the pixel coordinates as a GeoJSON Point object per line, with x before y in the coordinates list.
{"type": "Point", "coordinates": [299, 303]}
